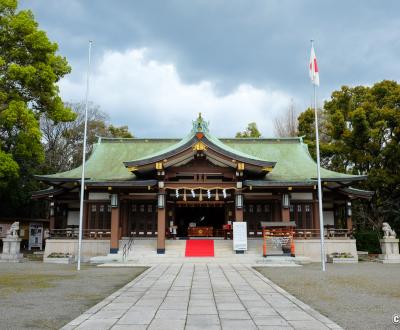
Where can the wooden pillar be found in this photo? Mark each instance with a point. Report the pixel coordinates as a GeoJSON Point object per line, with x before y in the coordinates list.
{"type": "Point", "coordinates": [349, 220]}
{"type": "Point", "coordinates": [85, 215]}
{"type": "Point", "coordinates": [315, 212]}
{"type": "Point", "coordinates": [161, 230]}
{"type": "Point", "coordinates": [239, 210]}
{"type": "Point", "coordinates": [349, 223]}
{"type": "Point", "coordinates": [115, 231]}
{"type": "Point", "coordinates": [238, 214]}
{"type": "Point", "coordinates": [285, 214]}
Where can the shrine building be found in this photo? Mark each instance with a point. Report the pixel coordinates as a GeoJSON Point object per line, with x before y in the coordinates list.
{"type": "Point", "coordinates": [161, 189]}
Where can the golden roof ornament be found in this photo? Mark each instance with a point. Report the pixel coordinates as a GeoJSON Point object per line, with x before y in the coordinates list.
{"type": "Point", "coordinates": [200, 125]}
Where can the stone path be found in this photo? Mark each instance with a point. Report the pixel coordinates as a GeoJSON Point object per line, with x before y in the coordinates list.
{"type": "Point", "coordinates": [201, 296]}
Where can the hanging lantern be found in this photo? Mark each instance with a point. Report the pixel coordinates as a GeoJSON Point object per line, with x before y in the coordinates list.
{"type": "Point", "coordinates": [285, 201]}
{"type": "Point", "coordinates": [216, 195]}
{"type": "Point", "coordinates": [177, 193]}
{"type": "Point", "coordinates": [239, 201]}
{"type": "Point", "coordinates": [193, 193]}
{"type": "Point", "coordinates": [224, 193]}
{"type": "Point", "coordinates": [208, 194]}
{"type": "Point", "coordinates": [161, 200]}
{"type": "Point", "coordinates": [114, 200]}
{"type": "Point", "coordinates": [348, 209]}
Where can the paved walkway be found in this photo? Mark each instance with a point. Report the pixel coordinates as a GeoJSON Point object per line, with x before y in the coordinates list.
{"type": "Point", "coordinates": [201, 296]}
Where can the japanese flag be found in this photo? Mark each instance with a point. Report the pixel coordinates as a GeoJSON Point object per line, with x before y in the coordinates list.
{"type": "Point", "coordinates": [314, 73]}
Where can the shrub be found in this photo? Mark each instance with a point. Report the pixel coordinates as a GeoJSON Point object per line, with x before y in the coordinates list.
{"type": "Point", "coordinates": [368, 241]}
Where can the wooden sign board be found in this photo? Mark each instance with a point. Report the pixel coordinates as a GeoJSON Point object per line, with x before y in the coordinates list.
{"type": "Point", "coordinates": [239, 236]}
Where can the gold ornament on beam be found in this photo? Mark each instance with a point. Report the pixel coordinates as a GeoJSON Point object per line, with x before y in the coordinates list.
{"type": "Point", "coordinates": [216, 195]}
{"type": "Point", "coordinates": [184, 195]}
{"type": "Point", "coordinates": [200, 196]}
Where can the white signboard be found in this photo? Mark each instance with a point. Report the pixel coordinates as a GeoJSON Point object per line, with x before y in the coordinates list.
{"type": "Point", "coordinates": [240, 236]}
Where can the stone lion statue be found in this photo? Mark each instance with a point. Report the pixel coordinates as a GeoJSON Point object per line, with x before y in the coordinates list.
{"type": "Point", "coordinates": [388, 231]}
{"type": "Point", "coordinates": [13, 231]}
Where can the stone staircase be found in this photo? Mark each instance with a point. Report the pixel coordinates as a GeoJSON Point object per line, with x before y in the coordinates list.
{"type": "Point", "coordinates": [144, 252]}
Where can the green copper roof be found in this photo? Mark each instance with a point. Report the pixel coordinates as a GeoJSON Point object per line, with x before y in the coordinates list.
{"type": "Point", "coordinates": [293, 160]}
{"type": "Point", "coordinates": [200, 125]}
{"type": "Point", "coordinates": [294, 163]}
{"type": "Point", "coordinates": [106, 160]}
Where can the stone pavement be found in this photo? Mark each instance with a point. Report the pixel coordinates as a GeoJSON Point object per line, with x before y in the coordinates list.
{"type": "Point", "coordinates": [201, 296]}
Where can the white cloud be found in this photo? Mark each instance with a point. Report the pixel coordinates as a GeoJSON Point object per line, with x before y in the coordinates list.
{"type": "Point", "coordinates": [153, 101]}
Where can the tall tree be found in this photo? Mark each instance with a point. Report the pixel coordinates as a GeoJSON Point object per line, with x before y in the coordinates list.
{"type": "Point", "coordinates": [63, 141]}
{"type": "Point", "coordinates": [286, 124]}
{"type": "Point", "coordinates": [29, 71]}
{"type": "Point", "coordinates": [361, 127]}
{"type": "Point", "coordinates": [250, 132]}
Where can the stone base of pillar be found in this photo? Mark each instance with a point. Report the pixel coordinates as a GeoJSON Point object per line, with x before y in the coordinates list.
{"type": "Point", "coordinates": [11, 250]}
{"type": "Point", "coordinates": [160, 251]}
{"type": "Point", "coordinates": [114, 250]}
{"type": "Point", "coordinates": [390, 250]}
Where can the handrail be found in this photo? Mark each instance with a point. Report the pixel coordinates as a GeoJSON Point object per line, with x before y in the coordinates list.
{"type": "Point", "coordinates": [72, 233]}
{"type": "Point", "coordinates": [328, 233]}
{"type": "Point", "coordinates": [127, 247]}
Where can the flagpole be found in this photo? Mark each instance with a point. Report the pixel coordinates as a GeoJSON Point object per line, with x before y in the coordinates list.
{"type": "Point", "coordinates": [83, 160]}
{"type": "Point", "coordinates": [321, 216]}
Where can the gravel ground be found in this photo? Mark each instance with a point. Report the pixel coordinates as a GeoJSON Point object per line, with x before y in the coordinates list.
{"type": "Point", "coordinates": [356, 296]}
{"type": "Point", "coordinates": [34, 295]}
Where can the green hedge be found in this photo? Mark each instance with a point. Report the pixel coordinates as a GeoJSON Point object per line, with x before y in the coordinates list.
{"type": "Point", "coordinates": [368, 241]}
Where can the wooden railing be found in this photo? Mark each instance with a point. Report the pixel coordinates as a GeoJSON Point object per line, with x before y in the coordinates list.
{"type": "Point", "coordinates": [73, 233]}
{"type": "Point", "coordinates": [329, 233]}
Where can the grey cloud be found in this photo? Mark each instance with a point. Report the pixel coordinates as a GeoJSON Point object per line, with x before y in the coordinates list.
{"type": "Point", "coordinates": [264, 43]}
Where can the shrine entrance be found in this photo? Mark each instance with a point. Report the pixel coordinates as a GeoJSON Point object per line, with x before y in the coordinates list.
{"type": "Point", "coordinates": [200, 221]}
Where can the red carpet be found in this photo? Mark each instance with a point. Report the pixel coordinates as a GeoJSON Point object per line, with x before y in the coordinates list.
{"type": "Point", "coordinates": [199, 248]}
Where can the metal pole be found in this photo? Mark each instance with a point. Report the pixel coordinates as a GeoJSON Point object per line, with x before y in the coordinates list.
{"type": "Point", "coordinates": [83, 161]}
{"type": "Point", "coordinates": [321, 216]}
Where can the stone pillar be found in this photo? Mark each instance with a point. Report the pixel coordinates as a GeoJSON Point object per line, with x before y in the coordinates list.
{"type": "Point", "coordinates": [161, 230]}
{"type": "Point", "coordinates": [115, 232]}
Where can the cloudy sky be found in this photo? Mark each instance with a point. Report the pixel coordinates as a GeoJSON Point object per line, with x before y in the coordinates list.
{"type": "Point", "coordinates": [156, 64]}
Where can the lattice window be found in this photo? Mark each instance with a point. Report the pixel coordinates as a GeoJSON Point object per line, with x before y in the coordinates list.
{"type": "Point", "coordinates": [259, 208]}
{"type": "Point", "coordinates": [133, 207]}
{"type": "Point", "coordinates": [251, 208]}
{"type": "Point", "coordinates": [94, 207]}
{"type": "Point", "coordinates": [150, 208]}
{"type": "Point", "coordinates": [142, 208]}
{"type": "Point", "coordinates": [101, 208]}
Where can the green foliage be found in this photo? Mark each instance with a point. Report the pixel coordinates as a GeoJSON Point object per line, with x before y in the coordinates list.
{"type": "Point", "coordinates": [8, 169]}
{"type": "Point", "coordinates": [63, 142]}
{"type": "Point", "coordinates": [360, 134]}
{"type": "Point", "coordinates": [368, 241]}
{"type": "Point", "coordinates": [250, 132]}
{"type": "Point", "coordinates": [29, 71]}
{"type": "Point", "coordinates": [118, 132]}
